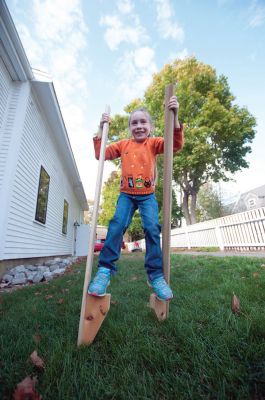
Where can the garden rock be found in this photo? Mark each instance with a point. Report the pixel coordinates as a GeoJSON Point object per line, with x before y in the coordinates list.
{"type": "Point", "coordinates": [38, 276]}
{"type": "Point", "coordinates": [7, 278]}
{"type": "Point", "coordinates": [23, 274]}
{"type": "Point", "coordinates": [19, 279]}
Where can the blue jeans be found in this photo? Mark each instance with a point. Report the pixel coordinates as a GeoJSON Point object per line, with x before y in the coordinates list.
{"type": "Point", "coordinates": [126, 206]}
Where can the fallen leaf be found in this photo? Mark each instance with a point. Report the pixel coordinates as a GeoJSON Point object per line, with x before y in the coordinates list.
{"type": "Point", "coordinates": [255, 274]}
{"type": "Point", "coordinates": [25, 390]}
{"type": "Point", "coordinates": [37, 293]}
{"type": "Point", "coordinates": [49, 296]}
{"type": "Point", "coordinates": [36, 360]}
{"type": "Point", "coordinates": [114, 302]}
{"type": "Point", "coordinates": [235, 306]}
{"type": "Point", "coordinates": [60, 301]}
{"type": "Point", "coordinates": [37, 338]}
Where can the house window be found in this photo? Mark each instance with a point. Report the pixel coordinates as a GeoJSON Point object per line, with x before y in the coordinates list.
{"type": "Point", "coordinates": [42, 200]}
{"type": "Point", "coordinates": [251, 203]}
{"type": "Point", "coordinates": [65, 216]}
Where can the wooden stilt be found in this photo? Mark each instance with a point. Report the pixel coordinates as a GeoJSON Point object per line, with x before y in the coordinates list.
{"type": "Point", "coordinates": [167, 201]}
{"type": "Point", "coordinates": [159, 307]}
{"type": "Point", "coordinates": [93, 310]}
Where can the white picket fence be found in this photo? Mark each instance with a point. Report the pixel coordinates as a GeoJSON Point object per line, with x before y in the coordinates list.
{"type": "Point", "coordinates": [241, 232]}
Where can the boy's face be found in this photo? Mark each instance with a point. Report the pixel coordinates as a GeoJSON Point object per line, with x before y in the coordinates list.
{"type": "Point", "coordinates": [140, 126]}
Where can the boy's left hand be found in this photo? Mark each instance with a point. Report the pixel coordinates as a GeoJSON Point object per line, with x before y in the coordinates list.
{"type": "Point", "coordinates": [173, 104]}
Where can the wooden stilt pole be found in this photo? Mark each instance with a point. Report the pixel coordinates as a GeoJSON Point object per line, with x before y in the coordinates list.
{"type": "Point", "coordinates": [93, 309]}
{"type": "Point", "coordinates": [161, 308]}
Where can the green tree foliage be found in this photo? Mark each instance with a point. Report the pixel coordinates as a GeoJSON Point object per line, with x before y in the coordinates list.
{"type": "Point", "coordinates": [218, 133]}
{"type": "Point", "coordinates": [110, 195]}
{"type": "Point", "coordinates": [209, 204]}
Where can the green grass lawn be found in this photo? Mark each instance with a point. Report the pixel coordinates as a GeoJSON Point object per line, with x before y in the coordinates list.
{"type": "Point", "coordinates": [202, 351]}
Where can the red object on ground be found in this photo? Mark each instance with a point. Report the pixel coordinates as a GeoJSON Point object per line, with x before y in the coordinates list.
{"type": "Point", "coordinates": [99, 243]}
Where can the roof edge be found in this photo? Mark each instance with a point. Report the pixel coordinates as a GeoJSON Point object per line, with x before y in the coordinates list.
{"type": "Point", "coordinates": [15, 53]}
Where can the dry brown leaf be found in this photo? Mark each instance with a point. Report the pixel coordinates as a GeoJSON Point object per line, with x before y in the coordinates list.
{"type": "Point", "coordinates": [25, 390]}
{"type": "Point", "coordinates": [235, 306]}
{"type": "Point", "coordinates": [255, 274]}
{"type": "Point", "coordinates": [49, 296]}
{"type": "Point", "coordinates": [37, 293]}
{"type": "Point", "coordinates": [37, 338]}
{"type": "Point", "coordinates": [114, 302]}
{"type": "Point", "coordinates": [36, 360]}
{"type": "Point", "coordinates": [60, 301]}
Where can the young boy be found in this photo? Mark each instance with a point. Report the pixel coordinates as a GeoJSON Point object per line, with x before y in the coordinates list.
{"type": "Point", "coordinates": [138, 165]}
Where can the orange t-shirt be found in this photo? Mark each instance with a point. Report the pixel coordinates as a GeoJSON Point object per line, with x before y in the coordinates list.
{"type": "Point", "coordinates": [138, 160]}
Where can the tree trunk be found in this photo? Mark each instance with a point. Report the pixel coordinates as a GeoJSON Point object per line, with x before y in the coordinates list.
{"type": "Point", "coordinates": [185, 208]}
{"type": "Point", "coordinates": [193, 207]}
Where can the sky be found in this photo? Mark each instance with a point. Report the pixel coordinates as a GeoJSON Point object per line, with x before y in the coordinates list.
{"type": "Point", "coordinates": [101, 52]}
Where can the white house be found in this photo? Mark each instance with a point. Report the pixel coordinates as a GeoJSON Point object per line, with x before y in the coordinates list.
{"type": "Point", "coordinates": [254, 198]}
{"type": "Point", "coordinates": [42, 199]}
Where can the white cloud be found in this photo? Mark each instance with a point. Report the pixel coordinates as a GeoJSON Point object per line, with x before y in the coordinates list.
{"type": "Point", "coordinates": [135, 70]}
{"type": "Point", "coordinates": [56, 44]}
{"type": "Point", "coordinates": [33, 48]}
{"type": "Point", "coordinates": [125, 6]}
{"type": "Point", "coordinates": [166, 25]}
{"type": "Point", "coordinates": [181, 55]}
{"type": "Point", "coordinates": [257, 14]}
{"type": "Point", "coordinates": [55, 19]}
{"type": "Point", "coordinates": [117, 31]}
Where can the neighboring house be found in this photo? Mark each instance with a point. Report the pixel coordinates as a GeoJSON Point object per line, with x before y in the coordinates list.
{"type": "Point", "coordinates": [41, 194]}
{"type": "Point", "coordinates": [254, 198]}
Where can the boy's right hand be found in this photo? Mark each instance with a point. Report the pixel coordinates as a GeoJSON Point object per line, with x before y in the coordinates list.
{"type": "Point", "coordinates": [105, 118]}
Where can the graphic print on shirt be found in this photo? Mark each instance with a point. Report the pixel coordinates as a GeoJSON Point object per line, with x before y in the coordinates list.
{"type": "Point", "coordinates": [130, 181]}
{"type": "Point", "coordinates": [139, 182]}
{"type": "Point", "coordinates": [147, 182]}
{"type": "Point", "coordinates": [122, 182]}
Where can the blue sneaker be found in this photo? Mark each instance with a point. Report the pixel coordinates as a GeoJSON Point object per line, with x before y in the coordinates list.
{"type": "Point", "coordinates": [99, 284]}
{"type": "Point", "coordinates": [161, 288]}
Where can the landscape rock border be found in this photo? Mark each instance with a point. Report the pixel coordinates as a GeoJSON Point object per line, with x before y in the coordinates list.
{"type": "Point", "coordinates": [26, 274]}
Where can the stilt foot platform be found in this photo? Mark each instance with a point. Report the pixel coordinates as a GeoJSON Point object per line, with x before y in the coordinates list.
{"type": "Point", "coordinates": [96, 310]}
{"type": "Point", "coordinates": [160, 307]}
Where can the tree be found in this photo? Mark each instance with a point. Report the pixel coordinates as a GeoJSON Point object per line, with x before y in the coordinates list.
{"type": "Point", "coordinates": [209, 205]}
{"type": "Point", "coordinates": [176, 211]}
{"type": "Point", "coordinates": [218, 133]}
{"type": "Point", "coordinates": [88, 214]}
{"type": "Point", "coordinates": [110, 195]}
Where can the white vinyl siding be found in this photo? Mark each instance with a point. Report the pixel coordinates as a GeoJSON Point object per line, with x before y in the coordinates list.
{"type": "Point", "coordinates": [8, 97]}
{"type": "Point", "coordinates": [5, 82]}
{"type": "Point", "coordinates": [25, 237]}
